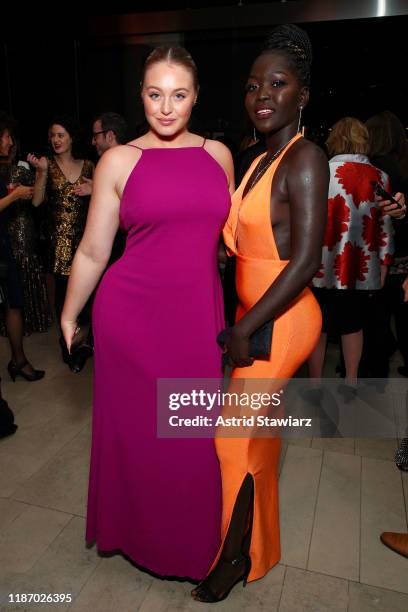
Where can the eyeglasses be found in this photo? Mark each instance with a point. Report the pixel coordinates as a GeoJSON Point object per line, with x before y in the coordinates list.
{"type": "Point", "coordinates": [100, 132]}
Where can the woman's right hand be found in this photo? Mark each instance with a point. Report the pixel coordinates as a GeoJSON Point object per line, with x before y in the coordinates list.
{"type": "Point", "coordinates": [21, 192]}
{"type": "Point", "coordinates": [39, 163]}
{"type": "Point", "coordinates": [237, 349]}
{"type": "Point", "coordinates": [392, 209]}
{"type": "Point", "coordinates": [69, 329]}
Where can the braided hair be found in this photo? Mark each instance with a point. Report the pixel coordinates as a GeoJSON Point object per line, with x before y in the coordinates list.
{"type": "Point", "coordinates": [295, 44]}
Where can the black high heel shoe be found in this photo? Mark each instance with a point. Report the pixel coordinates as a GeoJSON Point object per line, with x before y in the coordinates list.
{"type": "Point", "coordinates": [205, 594]}
{"type": "Point", "coordinates": [17, 370]}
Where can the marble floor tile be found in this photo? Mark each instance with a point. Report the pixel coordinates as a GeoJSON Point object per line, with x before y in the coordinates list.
{"type": "Point", "coordinates": [10, 510]}
{"type": "Point", "coordinates": [377, 448]}
{"type": "Point", "coordinates": [61, 483]}
{"type": "Point", "coordinates": [115, 585]}
{"type": "Point", "coordinates": [304, 442]}
{"type": "Point", "coordinates": [66, 565]}
{"type": "Point", "coordinates": [298, 487]}
{"type": "Point", "coordinates": [305, 591]}
{"type": "Point", "coordinates": [24, 540]}
{"type": "Point", "coordinates": [15, 469]}
{"type": "Point", "coordinates": [335, 543]}
{"type": "Point", "coordinates": [41, 440]}
{"type": "Point", "coordinates": [64, 568]}
{"type": "Point", "coordinates": [364, 598]}
{"type": "Point", "coordinates": [340, 445]}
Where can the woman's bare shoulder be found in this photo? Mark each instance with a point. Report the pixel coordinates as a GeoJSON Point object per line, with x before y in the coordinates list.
{"type": "Point", "coordinates": [223, 157]}
{"type": "Point", "coordinates": [217, 148]}
{"type": "Point", "coordinates": [307, 151]}
{"type": "Point", "coordinates": [118, 156]}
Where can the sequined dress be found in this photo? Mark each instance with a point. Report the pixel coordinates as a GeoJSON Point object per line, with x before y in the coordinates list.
{"type": "Point", "coordinates": [65, 217]}
{"type": "Point", "coordinates": [19, 224]}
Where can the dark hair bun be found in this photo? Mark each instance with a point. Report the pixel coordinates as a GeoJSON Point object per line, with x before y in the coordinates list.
{"type": "Point", "coordinates": [295, 43]}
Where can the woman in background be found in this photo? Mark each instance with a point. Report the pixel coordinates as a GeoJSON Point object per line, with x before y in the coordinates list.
{"type": "Point", "coordinates": [357, 248]}
{"type": "Point", "coordinates": [23, 239]}
{"type": "Point", "coordinates": [66, 212]}
{"type": "Point", "coordinates": [13, 281]}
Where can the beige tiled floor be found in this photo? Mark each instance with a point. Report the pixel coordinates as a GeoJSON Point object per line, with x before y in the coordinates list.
{"type": "Point", "coordinates": [336, 496]}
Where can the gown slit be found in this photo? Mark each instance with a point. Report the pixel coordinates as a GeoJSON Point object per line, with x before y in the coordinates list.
{"type": "Point", "coordinates": [248, 235]}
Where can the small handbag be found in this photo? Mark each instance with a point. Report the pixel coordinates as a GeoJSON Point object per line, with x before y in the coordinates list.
{"type": "Point", "coordinates": [260, 342]}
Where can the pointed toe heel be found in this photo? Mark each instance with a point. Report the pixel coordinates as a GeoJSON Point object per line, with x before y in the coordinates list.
{"type": "Point", "coordinates": [17, 370]}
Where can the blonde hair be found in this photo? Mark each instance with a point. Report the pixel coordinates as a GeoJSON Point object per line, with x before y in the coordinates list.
{"type": "Point", "coordinates": [172, 55]}
{"type": "Point", "coordinates": [349, 135]}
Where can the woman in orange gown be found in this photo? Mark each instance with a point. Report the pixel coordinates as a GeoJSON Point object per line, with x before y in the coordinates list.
{"type": "Point", "coordinates": [275, 230]}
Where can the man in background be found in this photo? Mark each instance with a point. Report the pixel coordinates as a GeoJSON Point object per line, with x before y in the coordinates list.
{"type": "Point", "coordinates": [109, 130]}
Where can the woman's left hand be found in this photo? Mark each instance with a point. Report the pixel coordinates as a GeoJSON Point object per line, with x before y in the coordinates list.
{"type": "Point", "coordinates": [69, 329]}
{"type": "Point", "coordinates": [237, 349]}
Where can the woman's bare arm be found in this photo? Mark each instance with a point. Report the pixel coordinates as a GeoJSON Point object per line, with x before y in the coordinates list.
{"type": "Point", "coordinates": [95, 247]}
{"type": "Point", "coordinates": [307, 184]}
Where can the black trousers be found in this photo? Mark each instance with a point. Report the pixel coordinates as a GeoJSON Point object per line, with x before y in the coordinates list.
{"type": "Point", "coordinates": [379, 341]}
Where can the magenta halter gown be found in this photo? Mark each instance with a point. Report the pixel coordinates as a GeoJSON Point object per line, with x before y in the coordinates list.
{"type": "Point", "coordinates": [156, 314]}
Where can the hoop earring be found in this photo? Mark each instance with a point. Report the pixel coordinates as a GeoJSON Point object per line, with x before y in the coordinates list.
{"type": "Point", "coordinates": [300, 118]}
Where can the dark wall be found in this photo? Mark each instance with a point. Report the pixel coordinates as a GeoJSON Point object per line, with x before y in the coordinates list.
{"type": "Point", "coordinates": [358, 69]}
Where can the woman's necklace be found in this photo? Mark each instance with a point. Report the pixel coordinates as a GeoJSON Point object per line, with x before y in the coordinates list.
{"type": "Point", "coordinates": [263, 165]}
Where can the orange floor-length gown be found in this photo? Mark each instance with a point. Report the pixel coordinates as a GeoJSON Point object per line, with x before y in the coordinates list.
{"type": "Point", "coordinates": [249, 236]}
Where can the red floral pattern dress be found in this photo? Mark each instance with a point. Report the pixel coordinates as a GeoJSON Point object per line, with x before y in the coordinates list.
{"type": "Point", "coordinates": [358, 238]}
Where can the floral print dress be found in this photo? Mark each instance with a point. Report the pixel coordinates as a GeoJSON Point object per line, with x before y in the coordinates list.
{"type": "Point", "coordinates": [358, 238]}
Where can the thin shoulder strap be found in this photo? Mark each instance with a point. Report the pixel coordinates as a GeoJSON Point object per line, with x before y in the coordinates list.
{"type": "Point", "coordinates": [134, 146]}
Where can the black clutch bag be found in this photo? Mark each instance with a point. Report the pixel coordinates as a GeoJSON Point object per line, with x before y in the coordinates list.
{"type": "Point", "coordinates": [260, 342]}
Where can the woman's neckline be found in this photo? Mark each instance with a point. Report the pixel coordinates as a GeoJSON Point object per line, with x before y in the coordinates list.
{"type": "Point", "coordinates": [167, 148]}
{"type": "Point", "coordinates": [128, 144]}
{"type": "Point", "coordinates": [63, 174]}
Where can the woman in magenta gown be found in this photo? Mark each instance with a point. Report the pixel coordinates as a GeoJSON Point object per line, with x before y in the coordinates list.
{"type": "Point", "coordinates": [157, 314]}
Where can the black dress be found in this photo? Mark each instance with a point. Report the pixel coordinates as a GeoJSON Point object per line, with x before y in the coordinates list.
{"type": "Point", "coordinates": [25, 282]}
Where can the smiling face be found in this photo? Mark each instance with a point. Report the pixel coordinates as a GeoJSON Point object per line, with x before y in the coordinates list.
{"type": "Point", "coordinates": [6, 143]}
{"type": "Point", "coordinates": [168, 95]}
{"type": "Point", "coordinates": [274, 94]}
{"type": "Point", "coordinates": [60, 139]}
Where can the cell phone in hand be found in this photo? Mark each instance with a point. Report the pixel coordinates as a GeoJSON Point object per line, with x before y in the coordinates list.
{"type": "Point", "coordinates": [380, 191]}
